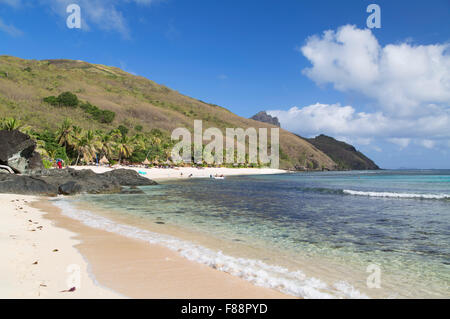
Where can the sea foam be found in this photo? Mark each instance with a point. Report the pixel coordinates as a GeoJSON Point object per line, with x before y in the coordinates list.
{"type": "Point", "coordinates": [293, 283]}
{"type": "Point", "coordinates": [396, 195]}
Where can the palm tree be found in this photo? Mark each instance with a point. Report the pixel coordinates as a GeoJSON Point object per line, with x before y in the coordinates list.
{"type": "Point", "coordinates": [86, 146]}
{"type": "Point", "coordinates": [139, 140]}
{"type": "Point", "coordinates": [124, 145]}
{"type": "Point", "coordinates": [107, 144]}
{"type": "Point", "coordinates": [155, 143]}
{"type": "Point", "coordinates": [65, 134]}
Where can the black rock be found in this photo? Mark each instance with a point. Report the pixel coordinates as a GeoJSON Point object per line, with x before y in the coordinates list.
{"type": "Point", "coordinates": [127, 177]}
{"type": "Point", "coordinates": [86, 181]}
{"type": "Point", "coordinates": [25, 185]}
{"type": "Point", "coordinates": [70, 181]}
{"type": "Point", "coordinates": [17, 150]}
{"type": "Point", "coordinates": [70, 188]}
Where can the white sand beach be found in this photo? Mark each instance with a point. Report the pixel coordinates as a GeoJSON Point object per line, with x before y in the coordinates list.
{"type": "Point", "coordinates": [185, 172]}
{"type": "Point", "coordinates": [39, 260]}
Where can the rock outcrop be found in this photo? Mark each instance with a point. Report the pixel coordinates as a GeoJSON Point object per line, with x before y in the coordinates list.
{"type": "Point", "coordinates": [17, 150]}
{"type": "Point", "coordinates": [266, 118]}
{"type": "Point", "coordinates": [71, 182]}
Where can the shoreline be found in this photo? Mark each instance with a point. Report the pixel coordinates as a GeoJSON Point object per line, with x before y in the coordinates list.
{"type": "Point", "coordinates": [129, 268]}
{"type": "Point", "coordinates": [184, 172]}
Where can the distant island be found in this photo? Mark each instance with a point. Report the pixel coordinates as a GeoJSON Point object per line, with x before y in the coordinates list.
{"type": "Point", "coordinates": [344, 155]}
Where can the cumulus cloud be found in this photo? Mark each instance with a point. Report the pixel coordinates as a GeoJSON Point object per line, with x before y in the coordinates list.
{"type": "Point", "coordinates": [10, 29]}
{"type": "Point", "coordinates": [410, 85]}
{"type": "Point", "coordinates": [404, 79]}
{"type": "Point", "coordinates": [346, 123]}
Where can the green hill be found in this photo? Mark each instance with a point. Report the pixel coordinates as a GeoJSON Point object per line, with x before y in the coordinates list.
{"type": "Point", "coordinates": [139, 104]}
{"type": "Point", "coordinates": [345, 155]}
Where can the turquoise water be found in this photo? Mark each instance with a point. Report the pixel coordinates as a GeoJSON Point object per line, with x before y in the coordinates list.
{"type": "Point", "coordinates": [324, 229]}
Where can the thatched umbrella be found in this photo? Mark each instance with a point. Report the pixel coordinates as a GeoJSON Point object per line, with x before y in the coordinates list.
{"type": "Point", "coordinates": [146, 162]}
{"type": "Point", "coordinates": [104, 160]}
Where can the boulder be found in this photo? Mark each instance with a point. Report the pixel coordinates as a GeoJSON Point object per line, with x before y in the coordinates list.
{"type": "Point", "coordinates": [25, 185]}
{"type": "Point", "coordinates": [70, 188]}
{"type": "Point", "coordinates": [17, 150]}
{"type": "Point", "coordinates": [128, 177]}
{"type": "Point", "coordinates": [80, 181]}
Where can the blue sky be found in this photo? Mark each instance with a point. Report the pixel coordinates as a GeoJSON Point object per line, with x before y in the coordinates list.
{"type": "Point", "coordinates": [259, 55]}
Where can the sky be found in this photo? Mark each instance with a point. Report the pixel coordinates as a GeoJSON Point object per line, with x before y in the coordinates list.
{"type": "Point", "coordinates": [314, 64]}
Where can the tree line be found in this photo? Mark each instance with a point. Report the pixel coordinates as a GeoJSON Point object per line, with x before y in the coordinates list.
{"type": "Point", "coordinates": [76, 145]}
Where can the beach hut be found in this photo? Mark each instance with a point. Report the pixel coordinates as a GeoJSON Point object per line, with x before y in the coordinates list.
{"type": "Point", "coordinates": [146, 162]}
{"type": "Point", "coordinates": [104, 161]}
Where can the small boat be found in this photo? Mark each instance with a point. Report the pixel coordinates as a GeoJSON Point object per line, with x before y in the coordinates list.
{"type": "Point", "coordinates": [219, 177]}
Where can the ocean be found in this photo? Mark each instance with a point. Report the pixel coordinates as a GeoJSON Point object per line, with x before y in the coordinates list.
{"type": "Point", "coordinates": [358, 234]}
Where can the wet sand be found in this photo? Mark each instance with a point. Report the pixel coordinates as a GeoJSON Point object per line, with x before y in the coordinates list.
{"type": "Point", "coordinates": [137, 269]}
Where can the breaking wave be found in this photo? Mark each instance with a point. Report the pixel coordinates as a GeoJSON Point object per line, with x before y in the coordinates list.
{"type": "Point", "coordinates": [396, 195]}
{"type": "Point", "coordinates": [293, 283]}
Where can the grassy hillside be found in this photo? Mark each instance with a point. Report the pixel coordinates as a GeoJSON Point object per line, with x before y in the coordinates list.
{"type": "Point", "coordinates": [345, 155]}
{"type": "Point", "coordinates": [137, 102]}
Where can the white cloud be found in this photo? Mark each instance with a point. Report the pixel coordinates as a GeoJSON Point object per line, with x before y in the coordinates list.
{"type": "Point", "coordinates": [103, 14]}
{"type": "Point", "coordinates": [360, 127]}
{"type": "Point", "coordinates": [10, 29]}
{"type": "Point", "coordinates": [403, 78]}
{"type": "Point", "coordinates": [426, 143]}
{"type": "Point", "coordinates": [402, 142]}
{"type": "Point", "coordinates": [410, 85]}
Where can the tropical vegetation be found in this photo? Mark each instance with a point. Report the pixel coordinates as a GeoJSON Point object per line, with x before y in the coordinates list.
{"type": "Point", "coordinates": [75, 145]}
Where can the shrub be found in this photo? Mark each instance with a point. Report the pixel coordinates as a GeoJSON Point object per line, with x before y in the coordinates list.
{"type": "Point", "coordinates": [64, 99]}
{"type": "Point", "coordinates": [68, 99]}
{"type": "Point", "coordinates": [106, 116]}
{"type": "Point", "coordinates": [52, 100]}
{"type": "Point", "coordinates": [103, 116]}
